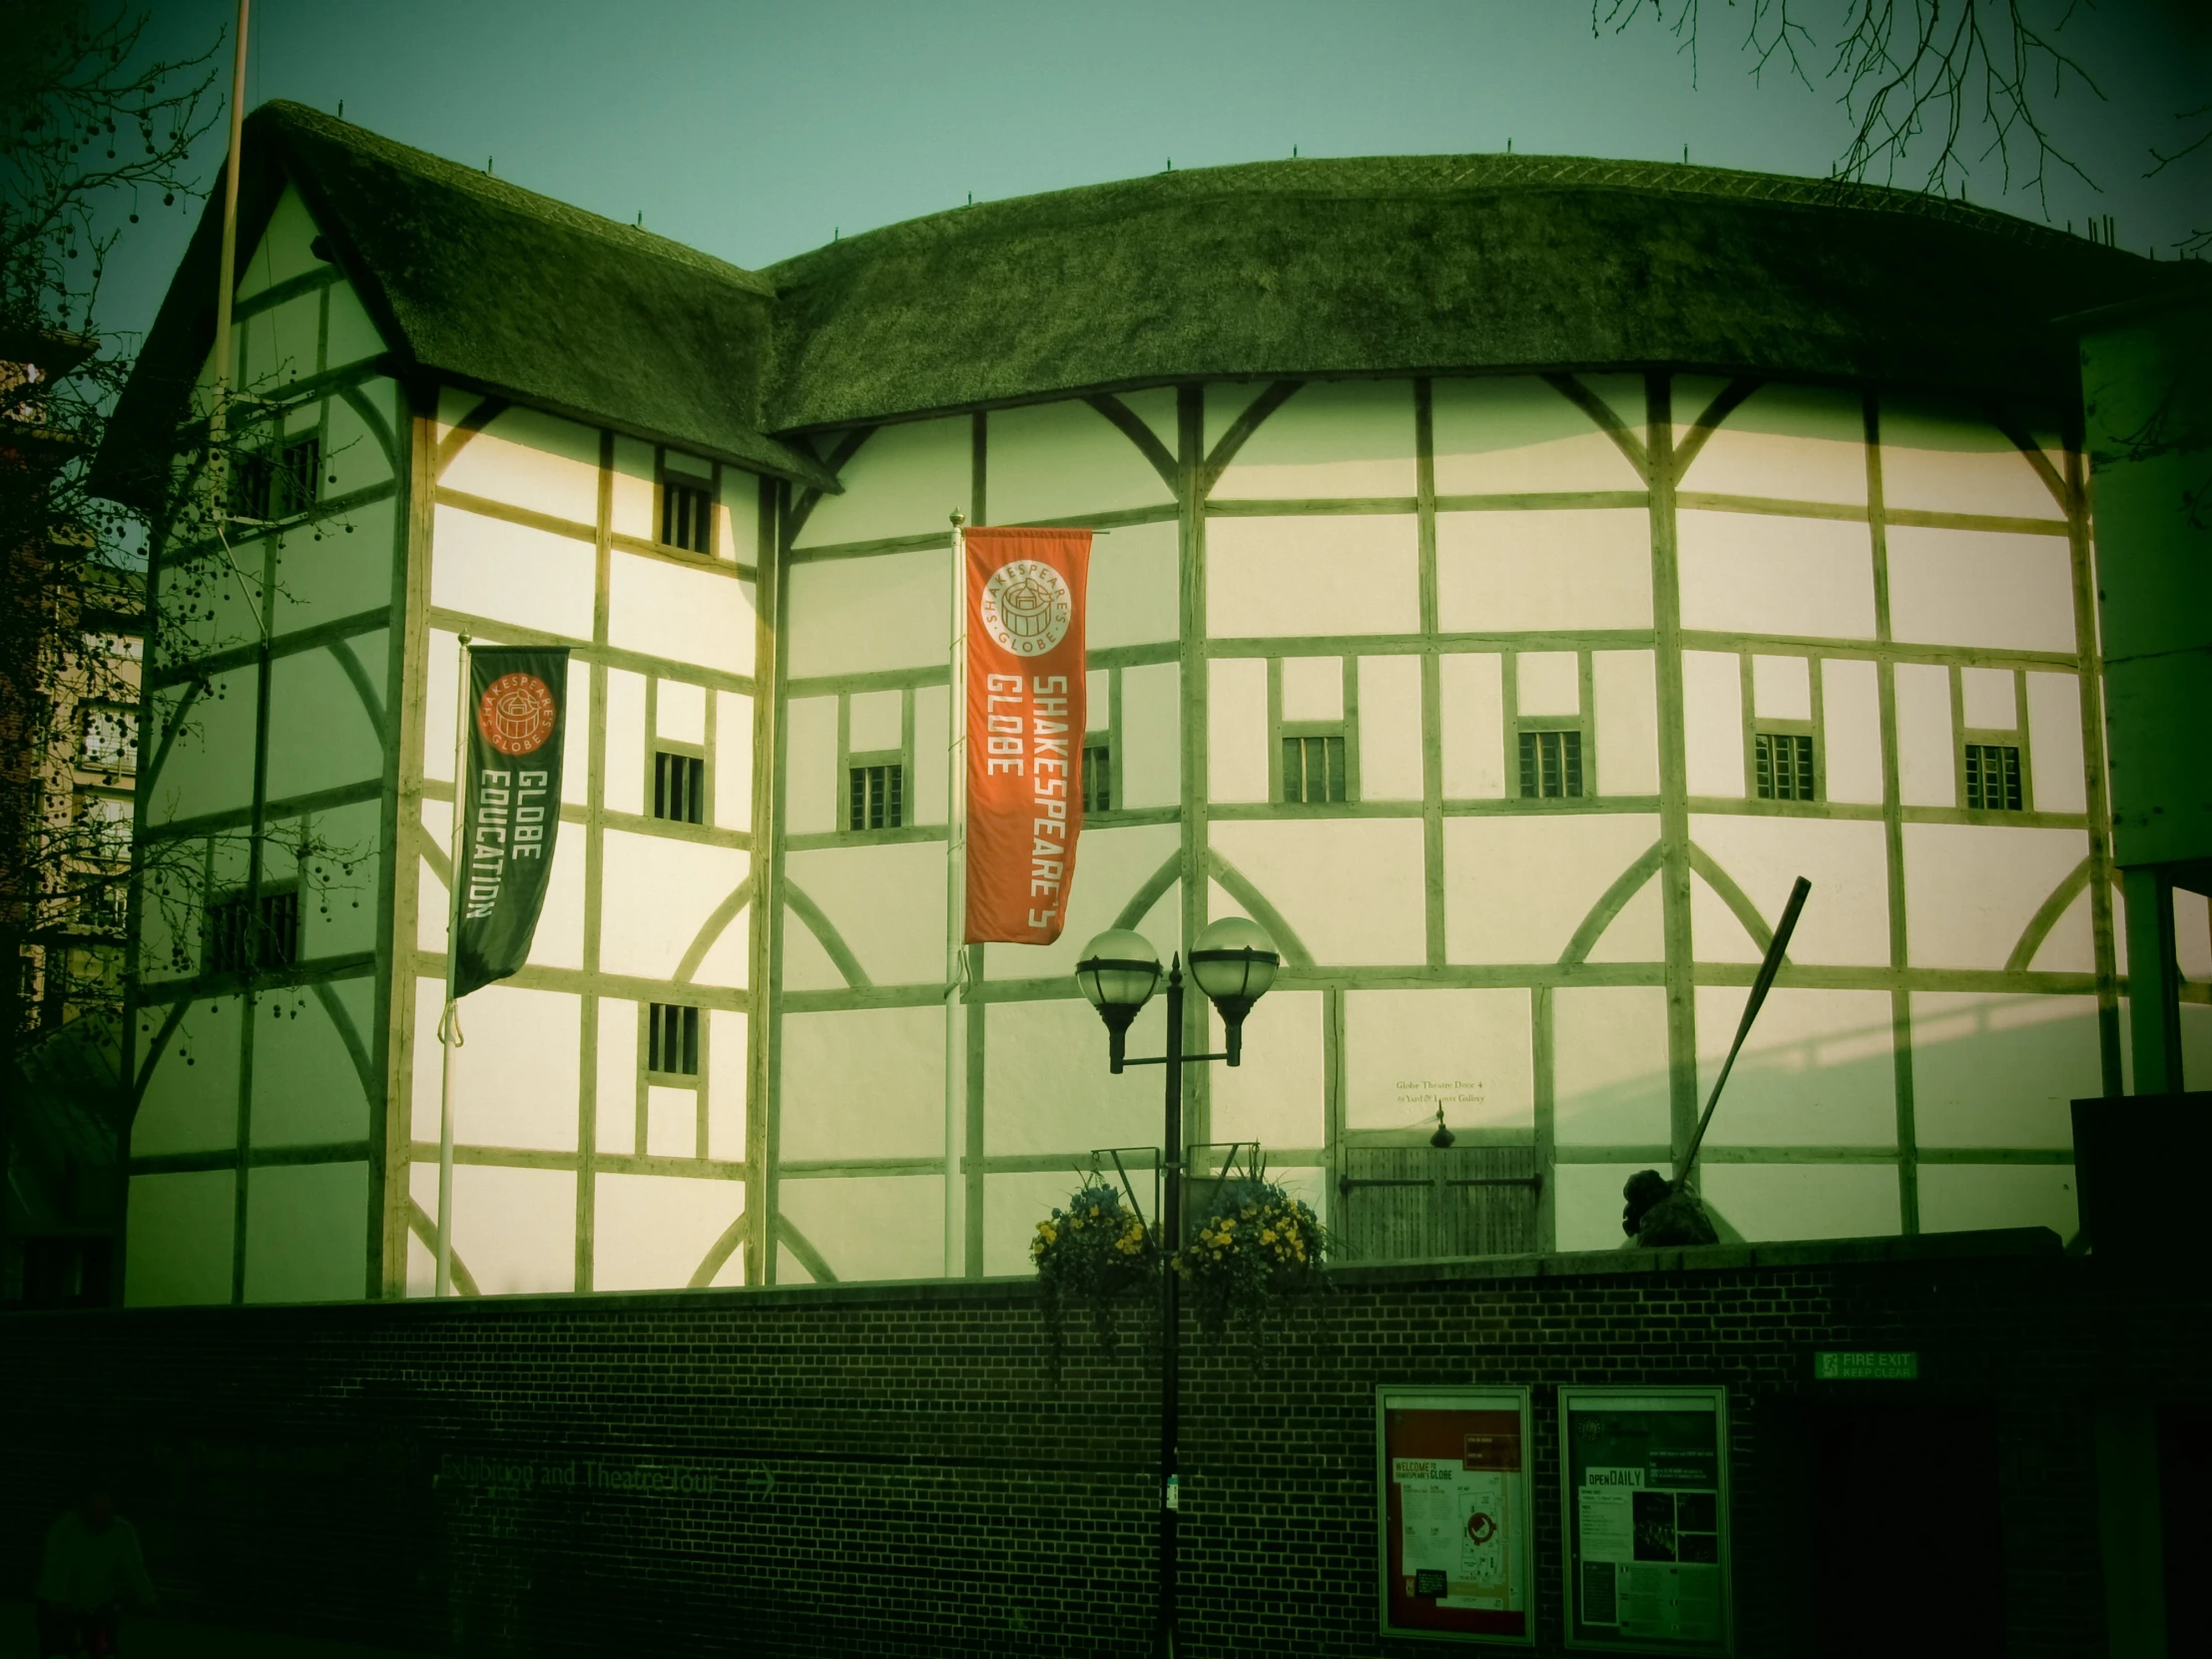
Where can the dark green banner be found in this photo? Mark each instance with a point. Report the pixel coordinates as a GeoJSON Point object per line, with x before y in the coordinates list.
{"type": "Point", "coordinates": [517, 697]}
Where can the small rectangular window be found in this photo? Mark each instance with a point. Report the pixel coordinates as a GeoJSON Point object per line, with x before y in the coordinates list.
{"type": "Point", "coordinates": [1098, 778]}
{"type": "Point", "coordinates": [1993, 778]}
{"type": "Point", "coordinates": [1550, 764]}
{"type": "Point", "coordinates": [680, 787]}
{"type": "Point", "coordinates": [671, 1039]}
{"type": "Point", "coordinates": [878, 798]}
{"type": "Point", "coordinates": [1313, 768]}
{"type": "Point", "coordinates": [1785, 766]}
{"type": "Point", "coordinates": [236, 942]}
{"type": "Point", "coordinates": [277, 481]}
{"type": "Point", "coordinates": [686, 516]}
{"type": "Point", "coordinates": [106, 819]}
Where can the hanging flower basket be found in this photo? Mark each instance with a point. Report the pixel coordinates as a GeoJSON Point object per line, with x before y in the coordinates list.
{"type": "Point", "coordinates": [1256, 1244]}
{"type": "Point", "coordinates": [1088, 1255]}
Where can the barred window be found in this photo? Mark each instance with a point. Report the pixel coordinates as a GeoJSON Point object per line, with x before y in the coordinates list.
{"type": "Point", "coordinates": [277, 481]}
{"type": "Point", "coordinates": [1550, 764]}
{"type": "Point", "coordinates": [1993, 778]}
{"type": "Point", "coordinates": [1098, 778]}
{"type": "Point", "coordinates": [686, 516]}
{"type": "Point", "coordinates": [1313, 768]}
{"type": "Point", "coordinates": [1785, 766]}
{"type": "Point", "coordinates": [878, 798]}
{"type": "Point", "coordinates": [107, 823]}
{"type": "Point", "coordinates": [237, 942]}
{"type": "Point", "coordinates": [680, 787]}
{"type": "Point", "coordinates": [671, 1039]}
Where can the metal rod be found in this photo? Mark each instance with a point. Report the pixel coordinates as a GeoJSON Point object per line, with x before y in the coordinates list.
{"type": "Point", "coordinates": [1171, 1241]}
{"type": "Point", "coordinates": [1759, 988]}
{"type": "Point", "coordinates": [956, 915]}
{"type": "Point", "coordinates": [450, 1023]}
{"type": "Point", "coordinates": [217, 423]}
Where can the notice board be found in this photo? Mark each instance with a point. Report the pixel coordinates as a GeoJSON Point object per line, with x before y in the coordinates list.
{"type": "Point", "coordinates": [1644, 1487]}
{"type": "Point", "coordinates": [1451, 1480]}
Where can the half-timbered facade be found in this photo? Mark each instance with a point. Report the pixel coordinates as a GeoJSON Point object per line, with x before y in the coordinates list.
{"type": "Point", "coordinates": [1515, 572]}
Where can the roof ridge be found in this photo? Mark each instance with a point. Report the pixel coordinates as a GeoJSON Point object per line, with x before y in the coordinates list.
{"type": "Point", "coordinates": [1487, 168]}
{"type": "Point", "coordinates": [503, 193]}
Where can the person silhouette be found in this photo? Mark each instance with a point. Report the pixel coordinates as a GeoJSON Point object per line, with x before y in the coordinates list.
{"type": "Point", "coordinates": [1658, 1212]}
{"type": "Point", "coordinates": [91, 1569]}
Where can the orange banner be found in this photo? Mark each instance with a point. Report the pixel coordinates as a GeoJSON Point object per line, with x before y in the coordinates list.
{"type": "Point", "coordinates": [1026, 725]}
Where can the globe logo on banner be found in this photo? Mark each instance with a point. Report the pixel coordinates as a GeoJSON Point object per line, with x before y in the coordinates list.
{"type": "Point", "coordinates": [517, 713]}
{"type": "Point", "coordinates": [1027, 607]}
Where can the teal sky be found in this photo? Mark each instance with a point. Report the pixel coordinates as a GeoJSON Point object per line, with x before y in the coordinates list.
{"type": "Point", "coordinates": [756, 130]}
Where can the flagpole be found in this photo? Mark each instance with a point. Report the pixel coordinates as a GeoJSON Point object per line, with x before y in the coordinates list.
{"type": "Point", "coordinates": [955, 917]}
{"type": "Point", "coordinates": [450, 1025]}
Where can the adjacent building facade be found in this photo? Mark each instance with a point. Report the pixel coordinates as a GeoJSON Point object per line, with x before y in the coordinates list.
{"type": "Point", "coordinates": [1514, 573]}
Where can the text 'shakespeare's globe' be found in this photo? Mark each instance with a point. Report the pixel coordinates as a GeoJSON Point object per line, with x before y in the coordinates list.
{"type": "Point", "coordinates": [517, 713]}
{"type": "Point", "coordinates": [1027, 607]}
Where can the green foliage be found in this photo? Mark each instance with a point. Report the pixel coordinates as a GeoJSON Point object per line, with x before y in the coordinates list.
{"type": "Point", "coordinates": [1256, 1245]}
{"type": "Point", "coordinates": [1088, 1255]}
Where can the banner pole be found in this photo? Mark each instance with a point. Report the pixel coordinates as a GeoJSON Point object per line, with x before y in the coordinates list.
{"type": "Point", "coordinates": [955, 917]}
{"type": "Point", "coordinates": [450, 1025]}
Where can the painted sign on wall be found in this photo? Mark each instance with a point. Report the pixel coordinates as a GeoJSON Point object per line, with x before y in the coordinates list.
{"type": "Point", "coordinates": [1644, 1488]}
{"type": "Point", "coordinates": [1456, 1543]}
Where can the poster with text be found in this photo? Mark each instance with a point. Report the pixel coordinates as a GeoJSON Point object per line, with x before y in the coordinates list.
{"type": "Point", "coordinates": [1644, 1475]}
{"type": "Point", "coordinates": [1456, 1543]}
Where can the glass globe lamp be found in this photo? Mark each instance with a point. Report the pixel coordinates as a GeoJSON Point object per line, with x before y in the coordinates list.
{"type": "Point", "coordinates": [1118, 973]}
{"type": "Point", "coordinates": [1234, 962]}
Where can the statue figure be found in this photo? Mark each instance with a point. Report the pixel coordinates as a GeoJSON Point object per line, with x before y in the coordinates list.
{"type": "Point", "coordinates": [1658, 1213]}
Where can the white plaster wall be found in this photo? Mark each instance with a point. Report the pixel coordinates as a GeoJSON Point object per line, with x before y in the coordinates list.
{"type": "Point", "coordinates": [2001, 1069]}
{"type": "Point", "coordinates": [285, 249]}
{"type": "Point", "coordinates": [532, 460]}
{"type": "Point", "coordinates": [210, 766]}
{"type": "Point", "coordinates": [1346, 438]}
{"type": "Point", "coordinates": [1322, 574]}
{"type": "Point", "coordinates": [1407, 1051]}
{"type": "Point", "coordinates": [1237, 727]}
{"type": "Point", "coordinates": [1369, 907]}
{"type": "Point", "coordinates": [1313, 687]}
{"type": "Point", "coordinates": [1753, 573]}
{"type": "Point", "coordinates": [905, 481]}
{"type": "Point", "coordinates": [307, 1233]}
{"type": "Point", "coordinates": [1134, 597]}
{"type": "Point", "coordinates": [733, 760]}
{"type": "Point", "coordinates": [616, 1114]}
{"type": "Point", "coordinates": [656, 895]}
{"type": "Point", "coordinates": [1516, 436]}
{"type": "Point", "coordinates": [179, 1239]}
{"type": "Point", "coordinates": [1609, 1070]}
{"type": "Point", "coordinates": [1580, 568]}
{"type": "Point", "coordinates": [853, 616]}
{"type": "Point", "coordinates": [886, 902]}
{"type": "Point", "coordinates": [1047, 1089]}
{"type": "Point", "coordinates": [1970, 889]}
{"type": "Point", "coordinates": [320, 734]}
{"type": "Point", "coordinates": [1959, 1198]}
{"type": "Point", "coordinates": [1275, 1094]}
{"type": "Point", "coordinates": [652, 1232]}
{"type": "Point", "coordinates": [1844, 921]}
{"type": "Point", "coordinates": [1949, 459]}
{"type": "Point", "coordinates": [1472, 717]}
{"type": "Point", "coordinates": [1797, 443]}
{"type": "Point", "coordinates": [1390, 728]}
{"type": "Point", "coordinates": [1638, 933]}
{"type": "Point", "coordinates": [353, 338]}
{"type": "Point", "coordinates": [514, 1228]}
{"type": "Point", "coordinates": [666, 609]}
{"type": "Point", "coordinates": [737, 518]}
{"type": "Point", "coordinates": [1713, 724]}
{"type": "Point", "coordinates": [1819, 1068]}
{"type": "Point", "coordinates": [627, 768]}
{"type": "Point", "coordinates": [810, 780]}
{"type": "Point", "coordinates": [1152, 736]}
{"type": "Point", "coordinates": [514, 1079]}
{"type": "Point", "coordinates": [926, 791]}
{"type": "Point", "coordinates": [1587, 1204]}
{"type": "Point", "coordinates": [1928, 763]}
{"type": "Point", "coordinates": [1980, 587]}
{"type": "Point", "coordinates": [868, 1227]}
{"type": "Point", "coordinates": [863, 1083]}
{"type": "Point", "coordinates": [1623, 685]}
{"type": "Point", "coordinates": [630, 512]}
{"type": "Point", "coordinates": [1055, 460]}
{"type": "Point", "coordinates": [1850, 730]}
{"type": "Point", "coordinates": [191, 1107]}
{"type": "Point", "coordinates": [727, 1060]}
{"type": "Point", "coordinates": [2055, 742]}
{"type": "Point", "coordinates": [307, 1089]}
{"type": "Point", "coordinates": [1516, 888]}
{"type": "Point", "coordinates": [489, 568]}
{"type": "Point", "coordinates": [1804, 1201]}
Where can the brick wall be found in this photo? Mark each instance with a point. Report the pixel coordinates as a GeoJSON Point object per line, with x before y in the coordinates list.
{"type": "Point", "coordinates": [888, 1469]}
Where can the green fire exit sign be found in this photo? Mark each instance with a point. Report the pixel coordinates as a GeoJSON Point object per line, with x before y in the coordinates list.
{"type": "Point", "coordinates": [1829, 1366]}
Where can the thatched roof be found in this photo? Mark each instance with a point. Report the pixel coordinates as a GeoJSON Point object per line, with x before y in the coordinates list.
{"type": "Point", "coordinates": [1385, 265]}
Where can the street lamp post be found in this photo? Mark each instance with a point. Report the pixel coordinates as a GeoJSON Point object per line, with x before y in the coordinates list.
{"type": "Point", "coordinates": [1234, 962]}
